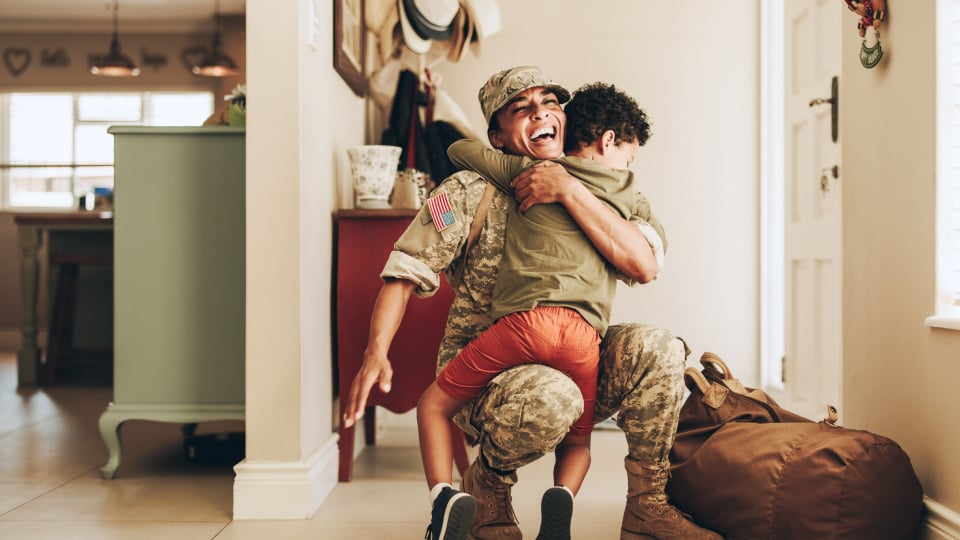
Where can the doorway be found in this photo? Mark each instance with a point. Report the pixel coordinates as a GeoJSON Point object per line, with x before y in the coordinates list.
{"type": "Point", "coordinates": [802, 194]}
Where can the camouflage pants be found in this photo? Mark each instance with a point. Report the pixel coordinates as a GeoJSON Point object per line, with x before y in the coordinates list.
{"type": "Point", "coordinates": [526, 411]}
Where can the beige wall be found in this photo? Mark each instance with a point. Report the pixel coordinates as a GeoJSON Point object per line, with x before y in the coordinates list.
{"type": "Point", "coordinates": [700, 170]}
{"type": "Point", "coordinates": [698, 79]}
{"type": "Point", "coordinates": [899, 375]}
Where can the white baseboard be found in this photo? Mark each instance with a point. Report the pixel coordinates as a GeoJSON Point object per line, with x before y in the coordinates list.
{"type": "Point", "coordinates": [940, 523]}
{"type": "Point", "coordinates": [285, 490]}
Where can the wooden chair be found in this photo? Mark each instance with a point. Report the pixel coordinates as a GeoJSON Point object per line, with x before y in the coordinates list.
{"type": "Point", "coordinates": [63, 312]}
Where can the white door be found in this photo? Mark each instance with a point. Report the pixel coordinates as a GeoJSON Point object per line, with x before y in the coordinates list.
{"type": "Point", "coordinates": [812, 210]}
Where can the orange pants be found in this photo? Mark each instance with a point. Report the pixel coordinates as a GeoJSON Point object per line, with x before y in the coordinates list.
{"type": "Point", "coordinates": [555, 336]}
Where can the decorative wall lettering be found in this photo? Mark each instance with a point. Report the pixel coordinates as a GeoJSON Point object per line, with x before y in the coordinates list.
{"type": "Point", "coordinates": [154, 60]}
{"type": "Point", "coordinates": [192, 56]}
{"type": "Point", "coordinates": [54, 58]}
{"type": "Point", "coordinates": [16, 59]}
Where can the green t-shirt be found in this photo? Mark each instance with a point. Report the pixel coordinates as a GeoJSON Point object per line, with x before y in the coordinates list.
{"type": "Point", "coordinates": [548, 260]}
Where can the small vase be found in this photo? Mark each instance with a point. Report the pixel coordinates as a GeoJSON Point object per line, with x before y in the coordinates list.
{"type": "Point", "coordinates": [409, 191]}
{"type": "Point", "coordinates": [374, 169]}
{"type": "Point", "coordinates": [238, 116]}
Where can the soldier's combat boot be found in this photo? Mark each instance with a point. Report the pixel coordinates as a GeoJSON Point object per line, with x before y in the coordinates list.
{"type": "Point", "coordinates": [648, 514]}
{"type": "Point", "coordinates": [495, 519]}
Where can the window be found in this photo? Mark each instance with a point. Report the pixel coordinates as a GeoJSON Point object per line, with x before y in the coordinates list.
{"type": "Point", "coordinates": [54, 146]}
{"type": "Point", "coordinates": [947, 305]}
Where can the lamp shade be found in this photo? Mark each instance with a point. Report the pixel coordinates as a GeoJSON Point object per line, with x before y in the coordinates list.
{"type": "Point", "coordinates": [115, 63]}
{"type": "Point", "coordinates": [215, 63]}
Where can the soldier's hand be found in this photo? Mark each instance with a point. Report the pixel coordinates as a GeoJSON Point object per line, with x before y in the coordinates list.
{"type": "Point", "coordinates": [376, 369]}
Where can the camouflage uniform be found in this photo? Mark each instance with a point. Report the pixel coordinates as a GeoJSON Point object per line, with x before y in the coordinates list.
{"type": "Point", "coordinates": [526, 411]}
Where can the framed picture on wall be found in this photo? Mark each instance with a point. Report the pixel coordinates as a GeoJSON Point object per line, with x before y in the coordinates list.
{"type": "Point", "coordinates": [349, 43]}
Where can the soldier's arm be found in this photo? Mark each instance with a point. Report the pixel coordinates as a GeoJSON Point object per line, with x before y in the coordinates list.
{"type": "Point", "coordinates": [617, 239]}
{"type": "Point", "coordinates": [387, 314]}
{"type": "Point", "coordinates": [413, 267]}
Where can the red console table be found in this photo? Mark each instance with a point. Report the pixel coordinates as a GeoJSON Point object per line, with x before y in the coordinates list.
{"type": "Point", "coordinates": [364, 239]}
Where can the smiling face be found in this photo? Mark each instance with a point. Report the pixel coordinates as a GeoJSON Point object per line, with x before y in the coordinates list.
{"type": "Point", "coordinates": [531, 124]}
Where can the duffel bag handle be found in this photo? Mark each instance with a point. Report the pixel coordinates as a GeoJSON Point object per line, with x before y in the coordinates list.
{"type": "Point", "coordinates": [694, 378]}
{"type": "Point", "coordinates": [716, 365]}
{"type": "Point", "coordinates": [711, 360]}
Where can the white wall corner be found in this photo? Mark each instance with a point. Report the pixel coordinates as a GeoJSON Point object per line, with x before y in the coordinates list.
{"type": "Point", "coordinates": [283, 489]}
{"type": "Point", "coordinates": [940, 522]}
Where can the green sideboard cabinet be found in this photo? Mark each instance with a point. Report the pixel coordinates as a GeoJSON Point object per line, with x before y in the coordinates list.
{"type": "Point", "coordinates": [179, 267]}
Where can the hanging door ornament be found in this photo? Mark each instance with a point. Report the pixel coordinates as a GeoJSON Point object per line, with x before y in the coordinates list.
{"type": "Point", "coordinates": [871, 13]}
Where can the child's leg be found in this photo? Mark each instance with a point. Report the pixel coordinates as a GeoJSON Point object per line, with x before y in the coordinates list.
{"type": "Point", "coordinates": [573, 461]}
{"type": "Point", "coordinates": [434, 412]}
{"type": "Point", "coordinates": [556, 507]}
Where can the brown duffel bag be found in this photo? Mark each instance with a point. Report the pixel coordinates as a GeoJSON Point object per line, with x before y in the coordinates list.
{"type": "Point", "coordinates": [749, 469]}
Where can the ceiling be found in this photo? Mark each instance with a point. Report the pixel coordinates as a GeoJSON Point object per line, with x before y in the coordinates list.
{"type": "Point", "coordinates": [94, 15]}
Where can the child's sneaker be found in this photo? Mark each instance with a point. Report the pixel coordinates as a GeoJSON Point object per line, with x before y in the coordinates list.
{"type": "Point", "coordinates": [453, 513]}
{"type": "Point", "coordinates": [556, 510]}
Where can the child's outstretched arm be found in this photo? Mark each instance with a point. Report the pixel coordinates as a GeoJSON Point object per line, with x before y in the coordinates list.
{"type": "Point", "coordinates": [498, 168]}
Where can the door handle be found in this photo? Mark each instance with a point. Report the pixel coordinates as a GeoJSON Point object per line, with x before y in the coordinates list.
{"type": "Point", "coordinates": [834, 102]}
{"type": "Point", "coordinates": [825, 180]}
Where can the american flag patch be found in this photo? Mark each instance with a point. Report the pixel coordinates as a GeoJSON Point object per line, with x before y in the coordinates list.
{"type": "Point", "coordinates": [441, 212]}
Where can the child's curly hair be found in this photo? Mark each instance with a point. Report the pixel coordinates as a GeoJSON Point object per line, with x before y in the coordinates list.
{"type": "Point", "coordinates": [599, 107]}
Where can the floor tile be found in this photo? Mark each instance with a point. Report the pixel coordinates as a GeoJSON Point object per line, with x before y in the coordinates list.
{"type": "Point", "coordinates": [108, 530]}
{"type": "Point", "coordinates": [14, 494]}
{"type": "Point", "coordinates": [50, 486]}
{"type": "Point", "coordinates": [132, 500]}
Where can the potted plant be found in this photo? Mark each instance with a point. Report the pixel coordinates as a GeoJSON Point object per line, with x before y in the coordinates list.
{"type": "Point", "coordinates": [238, 105]}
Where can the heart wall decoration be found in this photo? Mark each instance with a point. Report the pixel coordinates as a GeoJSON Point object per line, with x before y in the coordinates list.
{"type": "Point", "coordinates": [17, 60]}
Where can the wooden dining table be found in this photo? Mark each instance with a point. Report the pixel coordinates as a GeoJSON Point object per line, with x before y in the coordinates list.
{"type": "Point", "coordinates": [72, 238]}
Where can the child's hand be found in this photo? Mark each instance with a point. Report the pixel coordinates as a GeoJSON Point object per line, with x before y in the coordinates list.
{"type": "Point", "coordinates": [545, 182]}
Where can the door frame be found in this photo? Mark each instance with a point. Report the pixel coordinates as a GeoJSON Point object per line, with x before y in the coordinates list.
{"type": "Point", "coordinates": [772, 170]}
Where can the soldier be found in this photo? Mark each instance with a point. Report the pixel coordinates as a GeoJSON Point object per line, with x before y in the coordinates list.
{"type": "Point", "coordinates": [526, 411]}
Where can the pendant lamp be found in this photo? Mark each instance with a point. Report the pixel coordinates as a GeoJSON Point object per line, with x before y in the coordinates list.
{"type": "Point", "coordinates": [115, 64]}
{"type": "Point", "coordinates": [216, 63]}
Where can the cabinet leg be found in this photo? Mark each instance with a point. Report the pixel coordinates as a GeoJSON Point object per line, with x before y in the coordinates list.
{"type": "Point", "coordinates": [370, 426]}
{"type": "Point", "coordinates": [346, 453]}
{"type": "Point", "coordinates": [110, 431]}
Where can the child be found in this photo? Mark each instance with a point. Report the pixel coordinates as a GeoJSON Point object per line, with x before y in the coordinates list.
{"type": "Point", "coordinates": [554, 315]}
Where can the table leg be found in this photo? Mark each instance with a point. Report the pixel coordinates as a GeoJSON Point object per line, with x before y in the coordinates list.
{"type": "Point", "coordinates": [30, 239]}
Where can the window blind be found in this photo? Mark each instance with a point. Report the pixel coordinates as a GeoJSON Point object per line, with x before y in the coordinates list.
{"type": "Point", "coordinates": [948, 160]}
{"type": "Point", "coordinates": [54, 145]}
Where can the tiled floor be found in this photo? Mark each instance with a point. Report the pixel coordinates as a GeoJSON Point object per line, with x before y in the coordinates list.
{"type": "Point", "coordinates": [50, 488]}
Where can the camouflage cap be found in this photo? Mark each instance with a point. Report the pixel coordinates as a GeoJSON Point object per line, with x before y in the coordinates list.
{"type": "Point", "coordinates": [504, 86]}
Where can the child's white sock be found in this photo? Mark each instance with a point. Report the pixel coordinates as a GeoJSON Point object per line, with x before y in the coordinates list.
{"type": "Point", "coordinates": [436, 489]}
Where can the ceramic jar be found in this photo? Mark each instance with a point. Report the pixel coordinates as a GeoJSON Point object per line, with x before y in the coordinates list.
{"type": "Point", "coordinates": [374, 169]}
{"type": "Point", "coordinates": [409, 191]}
